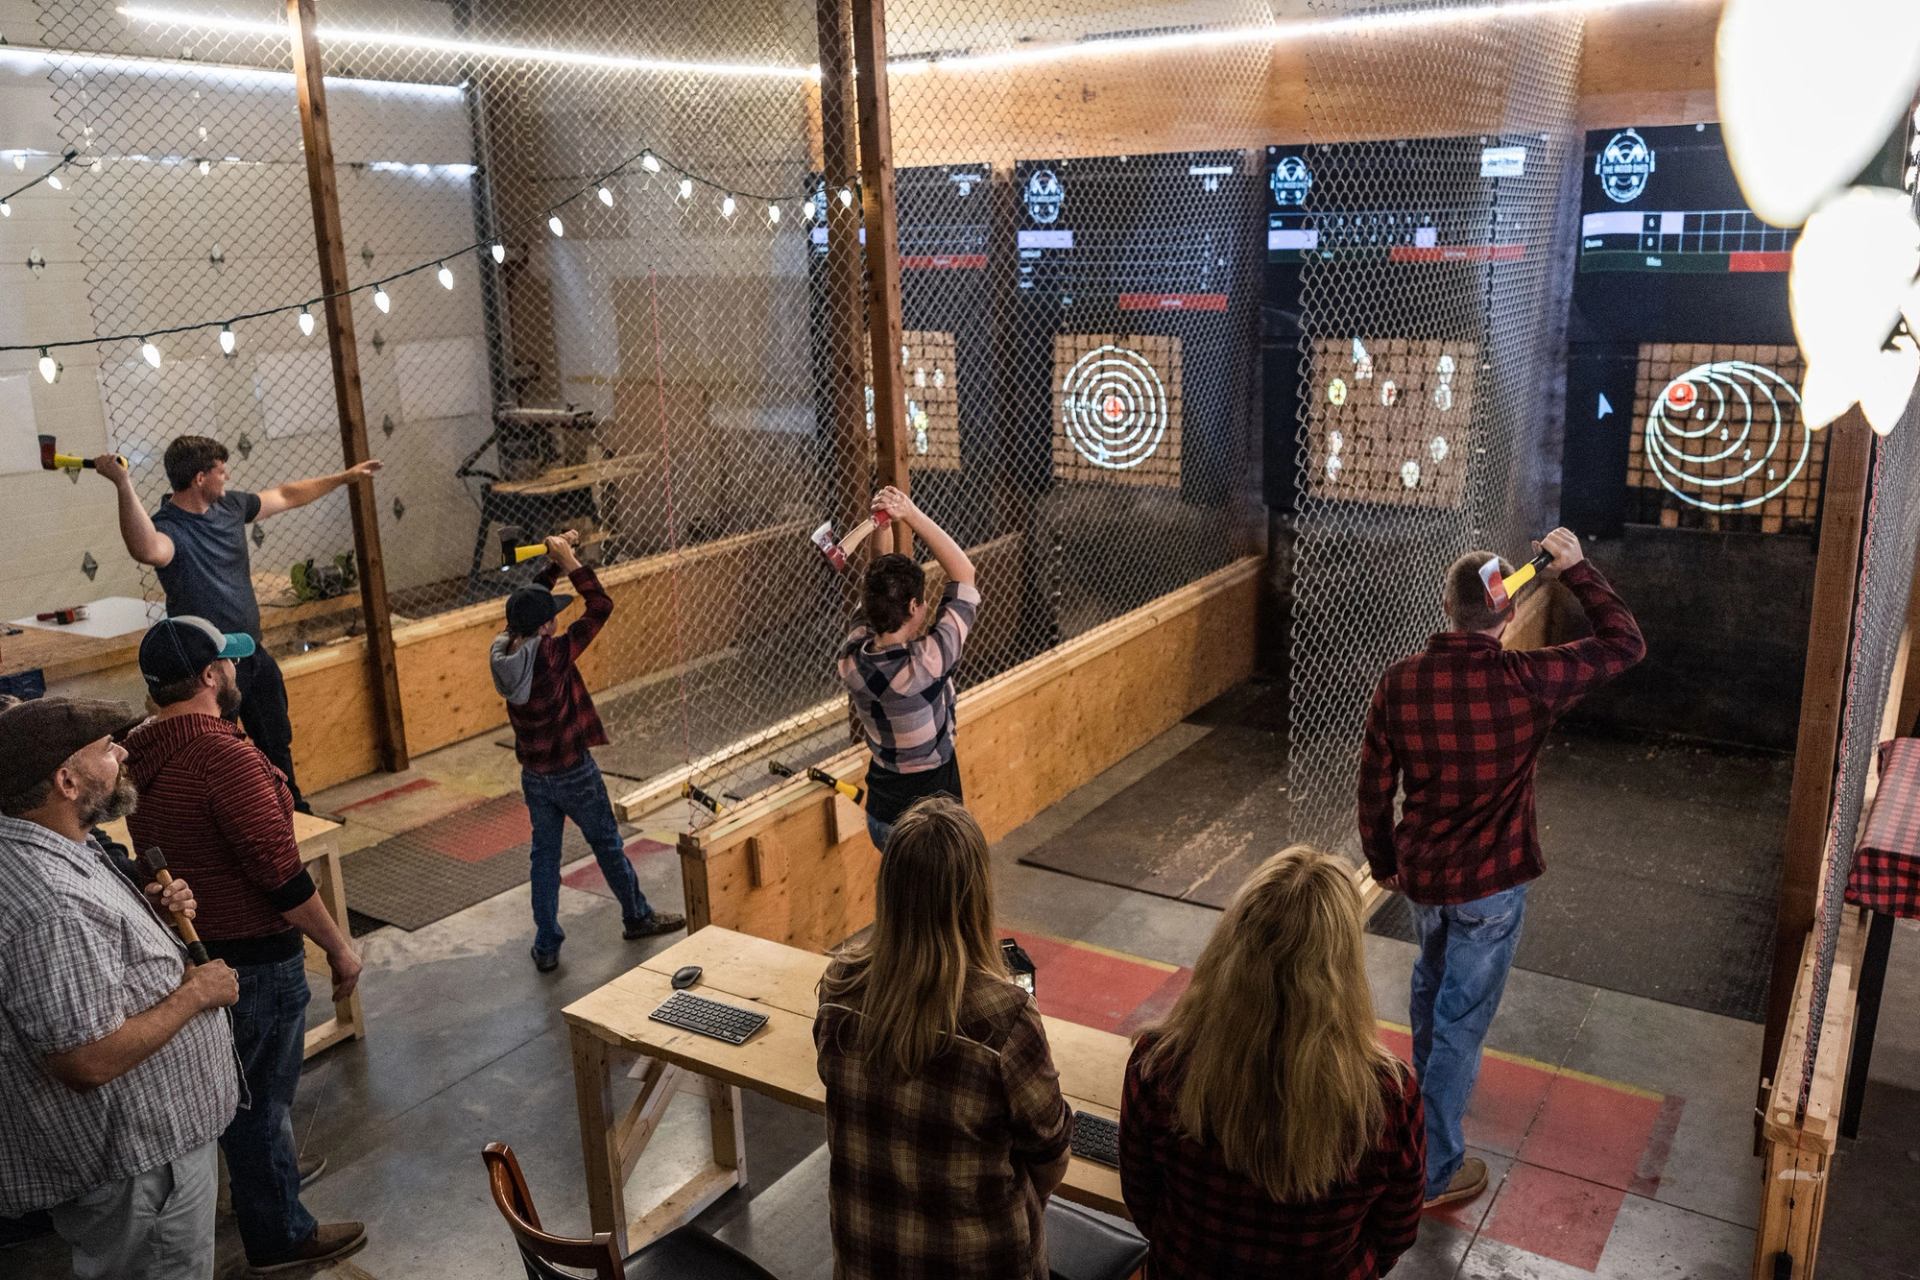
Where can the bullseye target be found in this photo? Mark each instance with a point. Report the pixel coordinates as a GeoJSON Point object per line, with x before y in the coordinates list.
{"type": "Point", "coordinates": [1727, 436]}
{"type": "Point", "coordinates": [1114, 406]}
{"type": "Point", "coordinates": [1405, 439]}
{"type": "Point", "coordinates": [1118, 412]}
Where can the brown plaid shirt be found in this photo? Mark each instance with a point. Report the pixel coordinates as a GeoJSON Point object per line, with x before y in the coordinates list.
{"type": "Point", "coordinates": [930, 1175]}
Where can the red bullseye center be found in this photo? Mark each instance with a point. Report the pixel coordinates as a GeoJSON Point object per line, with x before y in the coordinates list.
{"type": "Point", "coordinates": [1682, 395]}
{"type": "Point", "coordinates": [1112, 408]}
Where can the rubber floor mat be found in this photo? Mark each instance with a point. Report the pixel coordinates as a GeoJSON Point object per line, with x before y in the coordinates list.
{"type": "Point", "coordinates": [406, 882]}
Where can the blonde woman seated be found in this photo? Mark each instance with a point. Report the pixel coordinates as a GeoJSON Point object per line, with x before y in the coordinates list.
{"type": "Point", "coordinates": [945, 1123]}
{"type": "Point", "coordinates": [1264, 1130]}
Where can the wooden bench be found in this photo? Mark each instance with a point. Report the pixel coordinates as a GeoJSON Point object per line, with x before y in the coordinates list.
{"type": "Point", "coordinates": [610, 1025]}
{"type": "Point", "coordinates": [322, 861]}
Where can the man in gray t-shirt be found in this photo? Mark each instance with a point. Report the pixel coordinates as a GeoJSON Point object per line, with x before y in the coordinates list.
{"type": "Point", "coordinates": [197, 544]}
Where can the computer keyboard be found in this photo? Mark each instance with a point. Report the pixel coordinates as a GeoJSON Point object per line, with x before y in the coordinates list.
{"type": "Point", "coordinates": [1096, 1138]}
{"type": "Point", "coordinates": [709, 1018]}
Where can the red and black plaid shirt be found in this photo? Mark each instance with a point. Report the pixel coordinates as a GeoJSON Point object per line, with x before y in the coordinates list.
{"type": "Point", "coordinates": [1459, 727]}
{"type": "Point", "coordinates": [1205, 1221]}
{"type": "Point", "coordinates": [1886, 866]}
{"type": "Point", "coordinates": [554, 727]}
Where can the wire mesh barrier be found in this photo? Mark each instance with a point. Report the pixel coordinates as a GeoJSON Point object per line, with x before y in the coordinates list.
{"type": "Point", "coordinates": [1425, 271]}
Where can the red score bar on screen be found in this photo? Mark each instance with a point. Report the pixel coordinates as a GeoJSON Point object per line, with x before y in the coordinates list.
{"type": "Point", "coordinates": [944, 262]}
{"type": "Point", "coordinates": [1172, 302]}
{"type": "Point", "coordinates": [1744, 262]}
{"type": "Point", "coordinates": [1457, 253]}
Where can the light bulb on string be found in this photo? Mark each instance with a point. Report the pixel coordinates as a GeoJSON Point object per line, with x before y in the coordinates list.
{"type": "Point", "coordinates": [649, 162]}
{"type": "Point", "coordinates": [686, 188]}
{"type": "Point", "coordinates": [6, 210]}
{"type": "Point", "coordinates": [149, 352]}
{"type": "Point", "coordinates": [96, 166]}
{"type": "Point", "coordinates": [773, 213]}
{"type": "Point", "coordinates": [606, 196]}
{"type": "Point", "coordinates": [53, 180]}
{"type": "Point", "coordinates": [726, 206]}
{"type": "Point", "coordinates": [306, 323]}
{"type": "Point", "coordinates": [19, 159]}
{"type": "Point", "coordinates": [846, 197]}
{"type": "Point", "coordinates": [444, 276]}
{"type": "Point", "coordinates": [381, 300]}
{"type": "Point", "coordinates": [499, 252]}
{"type": "Point", "coordinates": [206, 167]}
{"type": "Point", "coordinates": [49, 367]}
{"type": "Point", "coordinates": [807, 210]}
{"type": "Point", "coordinates": [226, 339]}
{"type": "Point", "coordinates": [556, 226]}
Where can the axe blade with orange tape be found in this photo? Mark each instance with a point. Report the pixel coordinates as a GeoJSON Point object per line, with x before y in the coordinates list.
{"type": "Point", "coordinates": [837, 552]}
{"type": "Point", "coordinates": [52, 460]}
{"type": "Point", "coordinates": [1502, 590]}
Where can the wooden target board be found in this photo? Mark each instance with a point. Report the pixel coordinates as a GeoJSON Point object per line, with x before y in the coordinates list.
{"type": "Point", "coordinates": [1719, 441]}
{"type": "Point", "coordinates": [1391, 420]}
{"type": "Point", "coordinates": [1116, 408]}
{"type": "Point", "coordinates": [929, 371]}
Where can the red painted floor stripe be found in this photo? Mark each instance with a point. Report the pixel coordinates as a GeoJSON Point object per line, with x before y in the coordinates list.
{"type": "Point", "coordinates": [405, 788]}
{"type": "Point", "coordinates": [1592, 1132]}
{"type": "Point", "coordinates": [587, 877]}
{"type": "Point", "coordinates": [1653, 1161]}
{"type": "Point", "coordinates": [1090, 987]}
{"type": "Point", "coordinates": [1555, 1216]}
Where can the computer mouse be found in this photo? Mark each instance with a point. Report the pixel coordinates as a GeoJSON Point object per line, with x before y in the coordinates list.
{"type": "Point", "coordinates": [686, 977]}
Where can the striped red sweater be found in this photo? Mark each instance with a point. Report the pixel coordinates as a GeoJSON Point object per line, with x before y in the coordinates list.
{"type": "Point", "coordinates": [224, 818]}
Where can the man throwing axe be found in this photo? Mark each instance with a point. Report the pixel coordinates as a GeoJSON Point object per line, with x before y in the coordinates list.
{"type": "Point", "coordinates": [1458, 728]}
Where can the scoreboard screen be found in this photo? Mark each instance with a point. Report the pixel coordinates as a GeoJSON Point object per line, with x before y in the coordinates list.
{"type": "Point", "coordinates": [1669, 250]}
{"type": "Point", "coordinates": [945, 217]}
{"type": "Point", "coordinates": [1134, 233]}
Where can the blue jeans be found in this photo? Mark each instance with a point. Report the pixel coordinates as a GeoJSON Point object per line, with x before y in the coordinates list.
{"type": "Point", "coordinates": [581, 794]}
{"type": "Point", "coordinates": [1465, 953]}
{"type": "Point", "coordinates": [879, 832]}
{"type": "Point", "coordinates": [263, 1165]}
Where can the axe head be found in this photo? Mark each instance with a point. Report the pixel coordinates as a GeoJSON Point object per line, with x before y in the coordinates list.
{"type": "Point", "coordinates": [511, 535]}
{"type": "Point", "coordinates": [46, 454]}
{"type": "Point", "coordinates": [824, 540]}
{"type": "Point", "coordinates": [1497, 597]}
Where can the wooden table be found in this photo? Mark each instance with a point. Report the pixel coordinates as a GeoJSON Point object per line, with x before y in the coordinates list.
{"type": "Point", "coordinates": [322, 861]}
{"type": "Point", "coordinates": [611, 1024]}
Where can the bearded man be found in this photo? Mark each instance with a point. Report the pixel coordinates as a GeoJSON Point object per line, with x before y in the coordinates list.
{"type": "Point", "coordinates": [223, 815]}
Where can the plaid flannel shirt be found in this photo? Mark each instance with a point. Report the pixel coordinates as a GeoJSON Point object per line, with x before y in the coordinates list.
{"type": "Point", "coordinates": [555, 726]}
{"type": "Point", "coordinates": [930, 1175]}
{"type": "Point", "coordinates": [1459, 727]}
{"type": "Point", "coordinates": [80, 953]}
{"type": "Point", "coordinates": [903, 694]}
{"type": "Point", "coordinates": [1886, 867]}
{"type": "Point", "coordinates": [1204, 1221]}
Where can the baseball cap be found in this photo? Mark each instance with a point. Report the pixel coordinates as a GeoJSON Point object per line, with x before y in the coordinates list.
{"type": "Point", "coordinates": [531, 608]}
{"type": "Point", "coordinates": [179, 648]}
{"type": "Point", "coordinates": [37, 736]}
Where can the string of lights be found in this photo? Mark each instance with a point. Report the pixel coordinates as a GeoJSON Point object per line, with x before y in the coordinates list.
{"type": "Point", "coordinates": [647, 161]}
{"type": "Point", "coordinates": [51, 178]}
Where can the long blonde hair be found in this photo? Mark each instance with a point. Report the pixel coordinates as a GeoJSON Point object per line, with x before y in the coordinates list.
{"type": "Point", "coordinates": [933, 925]}
{"type": "Point", "coordinates": [1278, 1061]}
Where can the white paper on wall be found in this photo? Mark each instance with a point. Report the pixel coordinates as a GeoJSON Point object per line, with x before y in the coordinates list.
{"type": "Point", "coordinates": [441, 379]}
{"type": "Point", "coordinates": [19, 437]}
{"type": "Point", "coordinates": [295, 392]}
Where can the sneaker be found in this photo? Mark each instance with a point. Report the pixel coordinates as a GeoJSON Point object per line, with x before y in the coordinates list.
{"type": "Point", "coordinates": [545, 961]}
{"type": "Point", "coordinates": [1468, 1181]}
{"type": "Point", "coordinates": [311, 1167]}
{"type": "Point", "coordinates": [329, 1240]}
{"type": "Point", "coordinates": [654, 925]}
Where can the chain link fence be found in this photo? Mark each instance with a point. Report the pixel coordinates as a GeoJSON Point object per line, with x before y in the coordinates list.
{"type": "Point", "coordinates": [1430, 276]}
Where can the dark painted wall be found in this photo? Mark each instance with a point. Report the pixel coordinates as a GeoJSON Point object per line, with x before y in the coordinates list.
{"type": "Point", "coordinates": [1726, 618]}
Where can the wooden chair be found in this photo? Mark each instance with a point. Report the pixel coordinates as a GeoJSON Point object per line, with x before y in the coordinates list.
{"type": "Point", "coordinates": [686, 1254]}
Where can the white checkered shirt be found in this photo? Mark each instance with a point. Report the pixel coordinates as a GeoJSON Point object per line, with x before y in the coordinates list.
{"type": "Point", "coordinates": [80, 953]}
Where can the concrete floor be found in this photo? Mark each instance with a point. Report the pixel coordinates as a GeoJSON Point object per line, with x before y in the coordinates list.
{"type": "Point", "coordinates": [465, 1046]}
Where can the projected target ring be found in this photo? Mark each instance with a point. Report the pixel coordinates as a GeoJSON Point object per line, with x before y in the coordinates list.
{"type": "Point", "coordinates": [1114, 407]}
{"type": "Point", "coordinates": [1727, 436]}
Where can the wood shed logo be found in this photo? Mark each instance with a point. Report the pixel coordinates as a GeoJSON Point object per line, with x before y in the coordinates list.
{"type": "Point", "coordinates": [1623, 166]}
{"type": "Point", "coordinates": [1044, 196]}
{"type": "Point", "coordinates": [1290, 182]}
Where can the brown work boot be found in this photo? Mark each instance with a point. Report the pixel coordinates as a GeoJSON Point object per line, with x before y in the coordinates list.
{"type": "Point", "coordinates": [329, 1240]}
{"type": "Point", "coordinates": [1468, 1181]}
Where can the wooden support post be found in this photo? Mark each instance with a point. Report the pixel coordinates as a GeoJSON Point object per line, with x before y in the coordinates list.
{"type": "Point", "coordinates": [1836, 580]}
{"type": "Point", "coordinates": [310, 84]}
{"type": "Point", "coordinates": [845, 308]}
{"type": "Point", "coordinates": [883, 250]}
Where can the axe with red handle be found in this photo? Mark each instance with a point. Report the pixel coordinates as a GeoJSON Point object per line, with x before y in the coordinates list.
{"type": "Point", "coordinates": [837, 552]}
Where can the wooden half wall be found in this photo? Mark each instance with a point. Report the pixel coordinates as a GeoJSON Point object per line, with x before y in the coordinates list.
{"type": "Point", "coordinates": [796, 866]}
{"type": "Point", "coordinates": [445, 685]}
